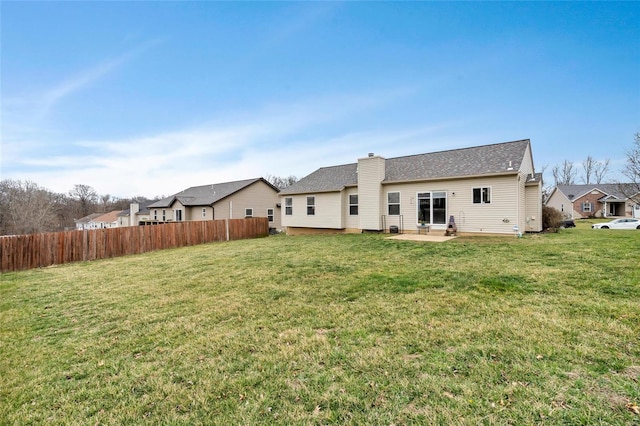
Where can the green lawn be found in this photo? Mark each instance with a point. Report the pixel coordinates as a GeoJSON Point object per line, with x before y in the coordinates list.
{"type": "Point", "coordinates": [343, 329]}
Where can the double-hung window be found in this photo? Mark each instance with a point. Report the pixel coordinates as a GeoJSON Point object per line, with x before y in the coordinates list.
{"type": "Point", "coordinates": [482, 195]}
{"type": "Point", "coordinates": [288, 206]}
{"type": "Point", "coordinates": [586, 207]}
{"type": "Point", "coordinates": [353, 204]}
{"type": "Point", "coordinates": [393, 203]}
{"type": "Point", "coordinates": [311, 205]}
{"type": "Point", "coordinates": [204, 213]}
{"type": "Point", "coordinates": [270, 215]}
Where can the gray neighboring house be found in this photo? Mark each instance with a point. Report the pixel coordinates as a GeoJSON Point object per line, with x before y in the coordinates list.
{"type": "Point", "coordinates": [230, 200]}
{"type": "Point", "coordinates": [595, 200]}
{"type": "Point", "coordinates": [136, 214]}
{"type": "Point", "coordinates": [486, 189]}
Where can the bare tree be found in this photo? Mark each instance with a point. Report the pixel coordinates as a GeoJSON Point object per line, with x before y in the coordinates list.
{"type": "Point", "coordinates": [86, 197]}
{"type": "Point", "coordinates": [601, 170]}
{"type": "Point", "coordinates": [594, 170]}
{"type": "Point", "coordinates": [281, 182]}
{"type": "Point", "coordinates": [588, 165]}
{"type": "Point", "coordinates": [632, 171]}
{"type": "Point", "coordinates": [564, 174]}
{"type": "Point", "coordinates": [26, 208]}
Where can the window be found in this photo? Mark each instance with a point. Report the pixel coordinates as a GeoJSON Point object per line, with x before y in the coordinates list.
{"type": "Point", "coordinates": [155, 215]}
{"type": "Point", "coordinates": [270, 215]}
{"type": "Point", "coordinates": [164, 215]}
{"type": "Point", "coordinates": [288, 206]}
{"type": "Point", "coordinates": [311, 205]}
{"type": "Point", "coordinates": [482, 195]}
{"type": "Point", "coordinates": [248, 213]}
{"type": "Point", "coordinates": [432, 207]}
{"type": "Point", "coordinates": [204, 213]}
{"type": "Point", "coordinates": [178, 215]}
{"type": "Point", "coordinates": [353, 204]}
{"type": "Point", "coordinates": [586, 207]}
{"type": "Point", "coordinates": [393, 203]}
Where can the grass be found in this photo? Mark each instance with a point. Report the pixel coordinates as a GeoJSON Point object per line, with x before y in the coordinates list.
{"type": "Point", "coordinates": [351, 329]}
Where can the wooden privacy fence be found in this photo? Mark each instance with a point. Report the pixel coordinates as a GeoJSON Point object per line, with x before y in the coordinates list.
{"type": "Point", "coordinates": [22, 252]}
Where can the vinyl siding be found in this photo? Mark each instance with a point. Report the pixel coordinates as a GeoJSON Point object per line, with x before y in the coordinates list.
{"type": "Point", "coordinates": [497, 217]}
{"type": "Point", "coordinates": [328, 211]}
{"type": "Point", "coordinates": [350, 222]}
{"type": "Point", "coordinates": [371, 172]}
{"type": "Point", "coordinates": [258, 196]}
{"type": "Point", "coordinates": [560, 202]}
{"type": "Point", "coordinates": [526, 169]}
{"type": "Point", "coordinates": [533, 209]}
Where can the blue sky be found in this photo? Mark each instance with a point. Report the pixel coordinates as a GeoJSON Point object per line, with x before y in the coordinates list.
{"type": "Point", "coordinates": [149, 98]}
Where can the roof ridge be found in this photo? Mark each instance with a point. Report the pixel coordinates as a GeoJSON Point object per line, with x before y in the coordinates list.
{"type": "Point", "coordinates": [461, 149]}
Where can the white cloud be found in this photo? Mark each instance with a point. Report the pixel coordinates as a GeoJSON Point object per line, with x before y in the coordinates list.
{"type": "Point", "coordinates": [274, 140]}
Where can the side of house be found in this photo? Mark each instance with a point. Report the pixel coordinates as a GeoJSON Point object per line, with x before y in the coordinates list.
{"type": "Point", "coordinates": [487, 189]}
{"type": "Point", "coordinates": [229, 200]}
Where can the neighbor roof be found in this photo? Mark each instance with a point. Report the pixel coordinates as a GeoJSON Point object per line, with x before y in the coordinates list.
{"type": "Point", "coordinates": [207, 195]}
{"type": "Point", "coordinates": [501, 158]}
{"type": "Point", "coordinates": [107, 217]}
{"type": "Point", "coordinates": [88, 218]}
{"type": "Point", "coordinates": [611, 190]}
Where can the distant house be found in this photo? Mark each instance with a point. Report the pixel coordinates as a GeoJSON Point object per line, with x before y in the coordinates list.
{"type": "Point", "coordinates": [99, 221]}
{"type": "Point", "coordinates": [87, 221]}
{"type": "Point", "coordinates": [229, 200]}
{"type": "Point", "coordinates": [594, 200]}
{"type": "Point", "coordinates": [135, 214]}
{"type": "Point", "coordinates": [485, 189]}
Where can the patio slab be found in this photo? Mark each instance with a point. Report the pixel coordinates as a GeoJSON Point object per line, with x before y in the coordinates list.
{"type": "Point", "coordinates": [424, 238]}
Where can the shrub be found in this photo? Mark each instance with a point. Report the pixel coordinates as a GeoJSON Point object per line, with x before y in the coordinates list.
{"type": "Point", "coordinates": [551, 218]}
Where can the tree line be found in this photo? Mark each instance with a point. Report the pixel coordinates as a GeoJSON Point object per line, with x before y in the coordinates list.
{"type": "Point", "coordinates": [28, 208]}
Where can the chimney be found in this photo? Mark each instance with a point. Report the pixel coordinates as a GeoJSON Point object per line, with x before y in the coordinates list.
{"type": "Point", "coordinates": [371, 172]}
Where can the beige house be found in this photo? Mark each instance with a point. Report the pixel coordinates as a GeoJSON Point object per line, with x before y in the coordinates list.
{"type": "Point", "coordinates": [136, 214]}
{"type": "Point", "coordinates": [230, 200]}
{"type": "Point", "coordinates": [486, 189]}
{"type": "Point", "coordinates": [595, 200]}
{"type": "Point", "coordinates": [99, 221]}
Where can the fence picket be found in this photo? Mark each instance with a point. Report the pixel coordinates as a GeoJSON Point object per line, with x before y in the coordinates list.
{"type": "Point", "coordinates": [20, 252]}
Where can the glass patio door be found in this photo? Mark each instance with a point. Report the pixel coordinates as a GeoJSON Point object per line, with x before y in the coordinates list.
{"type": "Point", "coordinates": [432, 208]}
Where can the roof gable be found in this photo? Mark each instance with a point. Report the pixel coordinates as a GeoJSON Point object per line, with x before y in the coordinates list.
{"type": "Point", "coordinates": [206, 195]}
{"type": "Point", "coordinates": [574, 192]}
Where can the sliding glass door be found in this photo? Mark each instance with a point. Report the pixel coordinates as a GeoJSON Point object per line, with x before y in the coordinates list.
{"type": "Point", "coordinates": [432, 208]}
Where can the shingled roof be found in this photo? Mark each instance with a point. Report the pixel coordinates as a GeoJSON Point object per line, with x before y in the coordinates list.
{"type": "Point", "coordinates": [207, 195]}
{"type": "Point", "coordinates": [618, 191]}
{"type": "Point", "coordinates": [501, 158]}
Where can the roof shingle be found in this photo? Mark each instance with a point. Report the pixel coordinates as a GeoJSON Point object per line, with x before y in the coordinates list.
{"type": "Point", "coordinates": [492, 159]}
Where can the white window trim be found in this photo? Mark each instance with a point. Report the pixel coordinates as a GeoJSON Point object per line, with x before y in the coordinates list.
{"type": "Point", "coordinates": [204, 212]}
{"type": "Point", "coordinates": [248, 212]}
{"type": "Point", "coordinates": [311, 205]}
{"type": "Point", "coordinates": [288, 204]}
{"type": "Point", "coordinates": [399, 203]}
{"type": "Point", "coordinates": [353, 205]}
{"type": "Point", "coordinates": [482, 202]}
{"type": "Point", "coordinates": [175, 215]}
{"type": "Point", "coordinates": [270, 216]}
